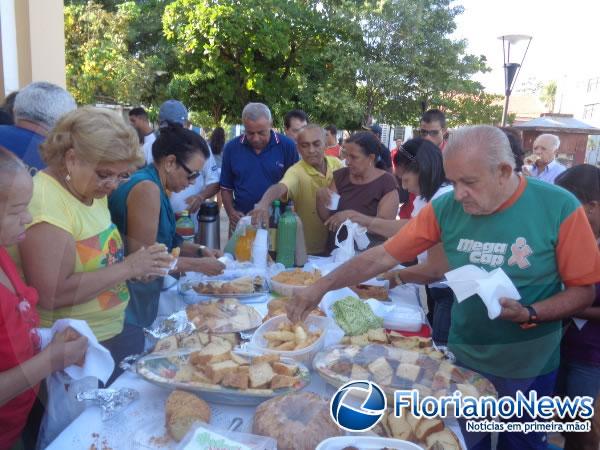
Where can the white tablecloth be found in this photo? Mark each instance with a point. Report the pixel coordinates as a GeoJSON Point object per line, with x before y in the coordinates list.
{"type": "Point", "coordinates": [141, 425]}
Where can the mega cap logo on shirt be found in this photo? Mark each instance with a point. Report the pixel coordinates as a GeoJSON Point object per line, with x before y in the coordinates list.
{"type": "Point", "coordinates": [493, 254]}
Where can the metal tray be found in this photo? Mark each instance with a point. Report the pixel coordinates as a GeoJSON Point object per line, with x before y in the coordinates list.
{"type": "Point", "coordinates": [160, 369]}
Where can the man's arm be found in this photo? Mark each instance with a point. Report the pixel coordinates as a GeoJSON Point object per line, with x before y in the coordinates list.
{"type": "Point", "coordinates": [557, 307]}
{"type": "Point", "coordinates": [227, 198]}
{"type": "Point", "coordinates": [358, 269]}
{"type": "Point", "coordinates": [260, 214]}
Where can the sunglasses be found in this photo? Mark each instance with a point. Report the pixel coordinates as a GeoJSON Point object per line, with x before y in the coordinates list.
{"type": "Point", "coordinates": [191, 174]}
{"type": "Point", "coordinates": [406, 153]}
{"type": "Point", "coordinates": [425, 133]}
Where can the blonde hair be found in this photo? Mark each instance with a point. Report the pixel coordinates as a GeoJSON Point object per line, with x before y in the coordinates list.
{"type": "Point", "coordinates": [96, 135]}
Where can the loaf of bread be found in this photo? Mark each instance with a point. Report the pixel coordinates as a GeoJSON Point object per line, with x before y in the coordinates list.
{"type": "Point", "coordinates": [182, 409]}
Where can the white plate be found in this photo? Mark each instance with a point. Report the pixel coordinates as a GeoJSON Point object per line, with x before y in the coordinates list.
{"type": "Point", "coordinates": [366, 443]}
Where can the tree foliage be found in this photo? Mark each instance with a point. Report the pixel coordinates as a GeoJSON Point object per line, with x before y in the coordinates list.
{"type": "Point", "coordinates": [342, 61]}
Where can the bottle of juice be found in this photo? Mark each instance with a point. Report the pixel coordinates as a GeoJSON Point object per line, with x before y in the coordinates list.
{"type": "Point", "coordinates": [243, 246]}
{"type": "Point", "coordinates": [185, 226]}
{"type": "Point", "coordinates": [286, 238]}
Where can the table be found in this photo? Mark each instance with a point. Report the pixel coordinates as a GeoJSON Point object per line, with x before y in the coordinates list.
{"type": "Point", "coordinates": [141, 425]}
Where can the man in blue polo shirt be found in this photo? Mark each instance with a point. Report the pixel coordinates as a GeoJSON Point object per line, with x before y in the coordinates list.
{"type": "Point", "coordinates": [253, 162]}
{"type": "Point", "coordinates": [38, 106]}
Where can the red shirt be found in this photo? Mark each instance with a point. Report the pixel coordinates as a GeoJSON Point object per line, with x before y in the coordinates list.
{"type": "Point", "coordinates": [18, 343]}
{"type": "Point", "coordinates": [333, 151]}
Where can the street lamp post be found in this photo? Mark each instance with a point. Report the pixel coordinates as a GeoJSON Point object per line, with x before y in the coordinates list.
{"type": "Point", "coordinates": [511, 69]}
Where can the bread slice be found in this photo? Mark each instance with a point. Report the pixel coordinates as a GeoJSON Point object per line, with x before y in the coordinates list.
{"type": "Point", "coordinates": [468, 390]}
{"type": "Point", "coordinates": [283, 381]}
{"type": "Point", "coordinates": [217, 371]}
{"type": "Point", "coordinates": [381, 370]}
{"type": "Point", "coordinates": [239, 359]}
{"type": "Point", "coordinates": [182, 409]}
{"type": "Point", "coordinates": [408, 371]}
{"type": "Point", "coordinates": [361, 339]}
{"type": "Point", "coordinates": [269, 357]}
{"type": "Point", "coordinates": [426, 427]}
{"type": "Point", "coordinates": [212, 353]}
{"type": "Point", "coordinates": [232, 338]}
{"type": "Point", "coordinates": [192, 342]}
{"type": "Point", "coordinates": [444, 439]}
{"type": "Point", "coordinates": [260, 375]}
{"type": "Point", "coordinates": [441, 380]}
{"type": "Point", "coordinates": [400, 427]}
{"type": "Point", "coordinates": [284, 369]}
{"type": "Point", "coordinates": [377, 335]}
{"type": "Point", "coordinates": [359, 373]}
{"type": "Point", "coordinates": [238, 379]}
{"type": "Point", "coordinates": [166, 344]}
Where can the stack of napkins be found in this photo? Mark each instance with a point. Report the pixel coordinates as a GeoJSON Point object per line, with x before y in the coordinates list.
{"type": "Point", "coordinates": [490, 286]}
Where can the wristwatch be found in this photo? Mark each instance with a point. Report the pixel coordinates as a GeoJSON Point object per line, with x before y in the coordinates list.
{"type": "Point", "coordinates": [200, 251]}
{"type": "Point", "coordinates": [533, 318]}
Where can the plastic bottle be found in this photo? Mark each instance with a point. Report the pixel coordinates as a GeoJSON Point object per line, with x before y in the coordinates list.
{"type": "Point", "coordinates": [300, 256]}
{"type": "Point", "coordinates": [243, 246]}
{"type": "Point", "coordinates": [185, 226]}
{"type": "Point", "coordinates": [286, 238]}
{"type": "Point", "coordinates": [273, 222]}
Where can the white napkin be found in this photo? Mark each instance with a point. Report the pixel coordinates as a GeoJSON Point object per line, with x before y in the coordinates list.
{"type": "Point", "coordinates": [98, 360]}
{"type": "Point", "coordinates": [345, 249]}
{"type": "Point", "coordinates": [490, 286]}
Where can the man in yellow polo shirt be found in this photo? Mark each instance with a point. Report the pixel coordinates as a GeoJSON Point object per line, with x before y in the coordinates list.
{"type": "Point", "coordinates": [300, 184]}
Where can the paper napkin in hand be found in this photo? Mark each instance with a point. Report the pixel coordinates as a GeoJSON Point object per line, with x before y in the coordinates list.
{"type": "Point", "coordinates": [490, 286]}
{"type": "Point", "coordinates": [98, 360]}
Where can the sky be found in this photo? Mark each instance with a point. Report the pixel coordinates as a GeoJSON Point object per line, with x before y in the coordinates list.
{"type": "Point", "coordinates": [565, 35]}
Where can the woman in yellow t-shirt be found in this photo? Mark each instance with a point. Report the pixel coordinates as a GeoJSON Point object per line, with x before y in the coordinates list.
{"type": "Point", "coordinates": [73, 254]}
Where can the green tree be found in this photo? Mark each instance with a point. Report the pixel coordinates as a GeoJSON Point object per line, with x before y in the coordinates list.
{"type": "Point", "coordinates": [407, 58]}
{"type": "Point", "coordinates": [471, 109]}
{"type": "Point", "coordinates": [98, 64]}
{"type": "Point", "coordinates": [284, 53]}
{"type": "Point", "coordinates": [548, 95]}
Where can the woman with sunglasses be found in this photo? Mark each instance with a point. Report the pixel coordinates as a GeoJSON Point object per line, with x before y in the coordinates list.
{"type": "Point", "coordinates": [73, 254]}
{"type": "Point", "coordinates": [141, 210]}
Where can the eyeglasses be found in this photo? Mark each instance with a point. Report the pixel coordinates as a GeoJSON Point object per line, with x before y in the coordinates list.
{"type": "Point", "coordinates": [192, 174]}
{"type": "Point", "coordinates": [425, 133]}
{"type": "Point", "coordinates": [116, 179]}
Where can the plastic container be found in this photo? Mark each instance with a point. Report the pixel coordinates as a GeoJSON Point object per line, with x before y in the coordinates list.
{"type": "Point", "coordinates": [366, 443]}
{"type": "Point", "coordinates": [305, 355]}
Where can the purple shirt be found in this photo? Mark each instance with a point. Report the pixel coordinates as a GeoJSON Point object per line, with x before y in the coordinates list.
{"type": "Point", "coordinates": [548, 173]}
{"type": "Point", "coordinates": [583, 345]}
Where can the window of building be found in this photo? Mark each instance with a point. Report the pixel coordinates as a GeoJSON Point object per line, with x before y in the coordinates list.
{"type": "Point", "coordinates": [591, 111]}
{"type": "Point", "coordinates": [593, 84]}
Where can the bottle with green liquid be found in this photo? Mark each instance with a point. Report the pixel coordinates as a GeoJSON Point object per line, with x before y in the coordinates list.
{"type": "Point", "coordinates": [286, 238]}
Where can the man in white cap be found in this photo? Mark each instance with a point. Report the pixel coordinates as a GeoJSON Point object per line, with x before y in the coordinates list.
{"type": "Point", "coordinates": [174, 113]}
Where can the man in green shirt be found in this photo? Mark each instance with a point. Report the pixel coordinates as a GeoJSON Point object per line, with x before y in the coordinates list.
{"type": "Point", "coordinates": [300, 184]}
{"type": "Point", "coordinates": [536, 232]}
